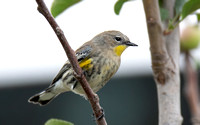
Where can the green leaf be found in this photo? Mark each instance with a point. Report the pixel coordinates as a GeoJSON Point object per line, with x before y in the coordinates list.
{"type": "Point", "coordinates": [164, 14]}
{"type": "Point", "coordinates": [118, 6]}
{"type": "Point", "coordinates": [189, 7]}
{"type": "Point", "coordinates": [57, 122]}
{"type": "Point", "coordinates": [179, 5]}
{"type": "Point", "coordinates": [58, 6]}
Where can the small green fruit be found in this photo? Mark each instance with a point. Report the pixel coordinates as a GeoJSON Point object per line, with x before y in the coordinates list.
{"type": "Point", "coordinates": [190, 38]}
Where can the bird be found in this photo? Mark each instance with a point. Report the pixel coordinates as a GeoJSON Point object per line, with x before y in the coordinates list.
{"type": "Point", "coordinates": [99, 59]}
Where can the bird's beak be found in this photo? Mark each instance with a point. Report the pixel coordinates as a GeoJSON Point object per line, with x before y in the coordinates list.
{"type": "Point", "coordinates": [128, 43]}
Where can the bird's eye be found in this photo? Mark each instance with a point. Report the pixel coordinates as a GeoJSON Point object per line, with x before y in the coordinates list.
{"type": "Point", "coordinates": [118, 39]}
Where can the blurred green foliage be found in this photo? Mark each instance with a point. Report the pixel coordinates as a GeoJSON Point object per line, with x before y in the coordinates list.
{"type": "Point", "coordinates": [189, 7]}
{"type": "Point", "coordinates": [57, 122]}
{"type": "Point", "coordinates": [58, 6]}
{"type": "Point", "coordinates": [118, 6]}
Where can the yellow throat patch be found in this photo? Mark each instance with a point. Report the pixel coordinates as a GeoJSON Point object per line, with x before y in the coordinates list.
{"type": "Point", "coordinates": [119, 49]}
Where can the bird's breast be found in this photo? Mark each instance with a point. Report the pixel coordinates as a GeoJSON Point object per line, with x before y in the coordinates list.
{"type": "Point", "coordinates": [101, 72]}
{"type": "Point", "coordinates": [98, 71]}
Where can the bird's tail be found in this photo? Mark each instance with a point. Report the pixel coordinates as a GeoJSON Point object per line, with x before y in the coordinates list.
{"type": "Point", "coordinates": [44, 97]}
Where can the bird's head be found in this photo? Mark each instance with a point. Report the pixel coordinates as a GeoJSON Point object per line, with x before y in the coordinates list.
{"type": "Point", "coordinates": [113, 40]}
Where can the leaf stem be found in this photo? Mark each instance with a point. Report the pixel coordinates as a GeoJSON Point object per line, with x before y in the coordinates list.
{"type": "Point", "coordinates": [172, 25]}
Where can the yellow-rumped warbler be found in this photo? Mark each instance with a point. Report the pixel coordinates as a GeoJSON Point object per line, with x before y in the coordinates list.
{"type": "Point", "coordinates": [99, 59]}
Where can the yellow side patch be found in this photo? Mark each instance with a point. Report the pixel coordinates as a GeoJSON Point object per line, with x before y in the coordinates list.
{"type": "Point", "coordinates": [86, 63]}
{"type": "Point", "coordinates": [119, 49]}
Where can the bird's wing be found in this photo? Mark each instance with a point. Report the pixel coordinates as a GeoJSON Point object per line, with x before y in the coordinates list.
{"type": "Point", "coordinates": [81, 54]}
{"type": "Point", "coordinates": [66, 66]}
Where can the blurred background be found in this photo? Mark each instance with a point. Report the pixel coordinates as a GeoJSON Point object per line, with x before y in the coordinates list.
{"type": "Point", "coordinates": [31, 56]}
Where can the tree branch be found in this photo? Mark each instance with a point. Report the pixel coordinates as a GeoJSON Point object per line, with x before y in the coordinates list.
{"type": "Point", "coordinates": [92, 97]}
{"type": "Point", "coordinates": [159, 54]}
{"type": "Point", "coordinates": [164, 55]}
{"type": "Point", "coordinates": [191, 90]}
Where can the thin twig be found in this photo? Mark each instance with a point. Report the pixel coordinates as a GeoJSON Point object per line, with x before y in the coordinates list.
{"type": "Point", "coordinates": [92, 97]}
{"type": "Point", "coordinates": [191, 90]}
